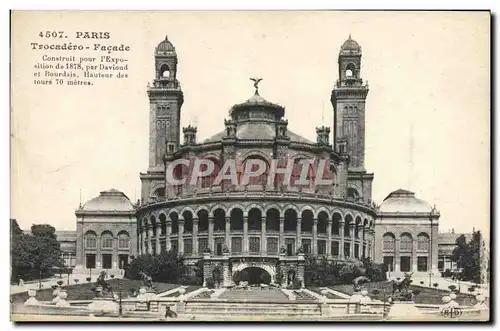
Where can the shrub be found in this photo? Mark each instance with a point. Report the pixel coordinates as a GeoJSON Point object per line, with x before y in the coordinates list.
{"type": "Point", "coordinates": [112, 276]}
{"type": "Point", "coordinates": [471, 289]}
{"type": "Point", "coordinates": [189, 280]}
{"type": "Point", "coordinates": [279, 277]}
{"type": "Point", "coordinates": [296, 284]}
{"type": "Point", "coordinates": [416, 292]}
{"type": "Point", "coordinates": [377, 272]}
{"type": "Point", "coordinates": [421, 282]}
{"type": "Point", "coordinates": [435, 285]}
{"type": "Point", "coordinates": [375, 291]}
{"type": "Point", "coordinates": [237, 277]}
{"type": "Point", "coordinates": [210, 283]}
{"type": "Point", "coordinates": [452, 288]}
{"type": "Point", "coordinates": [217, 275]}
{"type": "Point", "coordinates": [265, 278]}
{"type": "Point", "coordinates": [59, 282]}
{"type": "Point", "coordinates": [88, 279]}
{"type": "Point", "coordinates": [76, 280]}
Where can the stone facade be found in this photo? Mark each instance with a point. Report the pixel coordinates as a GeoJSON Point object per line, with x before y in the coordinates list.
{"type": "Point", "coordinates": [106, 233]}
{"type": "Point", "coordinates": [263, 224]}
{"type": "Point", "coordinates": [406, 234]}
{"type": "Point", "coordinates": [256, 221]}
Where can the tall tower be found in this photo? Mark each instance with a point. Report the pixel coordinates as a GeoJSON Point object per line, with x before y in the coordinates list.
{"type": "Point", "coordinates": [165, 102]}
{"type": "Point", "coordinates": [348, 100]}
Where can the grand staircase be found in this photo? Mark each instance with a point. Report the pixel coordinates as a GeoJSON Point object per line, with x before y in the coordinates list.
{"type": "Point", "coordinates": [239, 303]}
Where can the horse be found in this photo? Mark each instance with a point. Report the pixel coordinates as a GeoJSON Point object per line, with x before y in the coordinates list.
{"type": "Point", "coordinates": [102, 283]}
{"type": "Point", "coordinates": [402, 285]}
{"type": "Point", "coordinates": [147, 280]}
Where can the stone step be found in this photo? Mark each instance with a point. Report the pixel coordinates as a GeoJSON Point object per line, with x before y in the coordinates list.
{"type": "Point", "coordinates": [253, 310]}
{"type": "Point", "coordinates": [253, 313]}
{"type": "Point", "coordinates": [218, 305]}
{"type": "Point", "coordinates": [208, 307]}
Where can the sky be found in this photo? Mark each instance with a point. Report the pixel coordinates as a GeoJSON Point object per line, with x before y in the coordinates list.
{"type": "Point", "coordinates": [427, 112]}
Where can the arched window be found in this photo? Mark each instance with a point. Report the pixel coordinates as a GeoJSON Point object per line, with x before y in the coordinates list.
{"type": "Point", "coordinates": [159, 192]}
{"type": "Point", "coordinates": [90, 240]}
{"type": "Point", "coordinates": [322, 222]}
{"type": "Point", "coordinates": [209, 179]}
{"type": "Point", "coordinates": [297, 172]}
{"type": "Point", "coordinates": [107, 240]}
{"type": "Point", "coordinates": [337, 218]}
{"type": "Point", "coordinates": [406, 242]}
{"type": "Point", "coordinates": [349, 72]}
{"type": "Point", "coordinates": [258, 180]}
{"type": "Point", "coordinates": [388, 242]}
{"type": "Point", "coordinates": [290, 220]}
{"type": "Point", "coordinates": [236, 219]}
{"type": "Point", "coordinates": [423, 241]}
{"type": "Point", "coordinates": [352, 194]}
{"type": "Point", "coordinates": [123, 240]}
{"type": "Point", "coordinates": [165, 71]}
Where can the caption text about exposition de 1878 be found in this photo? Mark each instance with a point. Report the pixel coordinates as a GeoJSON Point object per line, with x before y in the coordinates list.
{"type": "Point", "coordinates": [84, 61]}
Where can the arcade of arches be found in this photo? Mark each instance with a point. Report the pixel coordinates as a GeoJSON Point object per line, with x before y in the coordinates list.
{"type": "Point", "coordinates": [257, 231]}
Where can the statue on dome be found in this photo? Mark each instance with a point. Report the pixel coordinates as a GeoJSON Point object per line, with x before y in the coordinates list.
{"type": "Point", "coordinates": [256, 82]}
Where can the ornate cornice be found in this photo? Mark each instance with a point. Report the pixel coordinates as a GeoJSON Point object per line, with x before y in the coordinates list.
{"type": "Point", "coordinates": [274, 196]}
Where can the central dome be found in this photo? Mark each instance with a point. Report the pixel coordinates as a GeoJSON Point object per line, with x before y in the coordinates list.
{"type": "Point", "coordinates": [257, 101]}
{"type": "Point", "coordinates": [403, 201]}
{"type": "Point", "coordinates": [110, 200]}
{"type": "Point", "coordinates": [165, 47]}
{"type": "Point", "coordinates": [350, 46]}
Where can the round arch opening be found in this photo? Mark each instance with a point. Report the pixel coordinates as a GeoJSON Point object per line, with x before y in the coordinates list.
{"type": "Point", "coordinates": [253, 275]}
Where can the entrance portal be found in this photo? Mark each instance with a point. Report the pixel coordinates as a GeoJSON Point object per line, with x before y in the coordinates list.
{"type": "Point", "coordinates": [256, 275]}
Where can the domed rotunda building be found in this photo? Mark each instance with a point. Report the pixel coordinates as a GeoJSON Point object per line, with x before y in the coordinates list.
{"type": "Point", "coordinates": [264, 222]}
{"type": "Point", "coordinates": [226, 200]}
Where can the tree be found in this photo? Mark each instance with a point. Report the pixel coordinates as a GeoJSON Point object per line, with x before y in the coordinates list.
{"type": "Point", "coordinates": [44, 249]}
{"type": "Point", "coordinates": [467, 255]}
{"type": "Point", "coordinates": [20, 259]}
{"type": "Point", "coordinates": [34, 255]}
{"type": "Point", "coordinates": [167, 267]}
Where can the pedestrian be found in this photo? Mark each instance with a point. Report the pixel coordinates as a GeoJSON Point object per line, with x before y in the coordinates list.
{"type": "Point", "coordinates": [21, 282]}
{"type": "Point", "coordinates": [170, 313]}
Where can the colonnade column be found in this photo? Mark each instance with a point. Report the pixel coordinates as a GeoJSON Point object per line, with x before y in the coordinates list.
{"type": "Point", "coordinates": [263, 242]}
{"type": "Point", "coordinates": [211, 233]}
{"type": "Point", "coordinates": [180, 237]}
{"type": "Point", "coordinates": [414, 255]}
{"type": "Point", "coordinates": [342, 240]}
{"type": "Point", "coordinates": [370, 243]}
{"type": "Point", "coordinates": [150, 239]}
{"type": "Point", "coordinates": [397, 267]}
{"type": "Point", "coordinates": [315, 237]}
{"type": "Point", "coordinates": [352, 229]}
{"type": "Point", "coordinates": [228, 231]}
{"type": "Point", "coordinates": [98, 259]}
{"type": "Point", "coordinates": [362, 241]}
{"type": "Point", "coordinates": [195, 236]}
{"type": "Point", "coordinates": [329, 241]}
{"type": "Point", "coordinates": [143, 241]}
{"type": "Point", "coordinates": [282, 233]}
{"type": "Point", "coordinates": [245, 235]}
{"type": "Point", "coordinates": [168, 244]}
{"type": "Point", "coordinates": [157, 239]}
{"type": "Point", "coordinates": [299, 234]}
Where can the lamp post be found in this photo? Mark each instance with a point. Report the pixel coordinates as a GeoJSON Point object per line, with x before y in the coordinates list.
{"type": "Point", "coordinates": [120, 309]}
{"type": "Point", "coordinates": [430, 251]}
